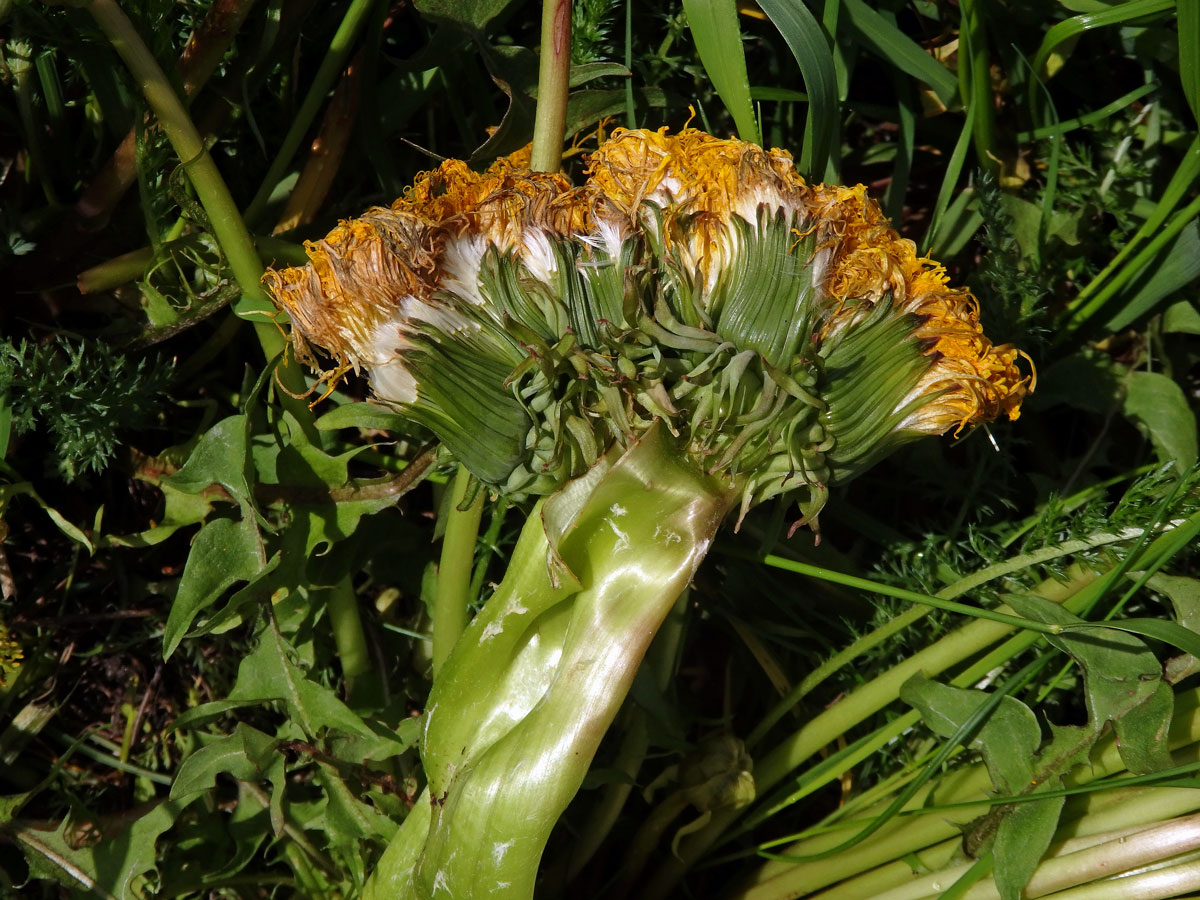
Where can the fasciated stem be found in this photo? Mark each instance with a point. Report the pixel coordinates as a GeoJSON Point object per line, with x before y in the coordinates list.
{"type": "Point", "coordinates": [520, 706]}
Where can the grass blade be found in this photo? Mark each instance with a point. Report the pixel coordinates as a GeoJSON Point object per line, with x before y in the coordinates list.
{"type": "Point", "coordinates": [810, 45]}
{"type": "Point", "coordinates": [718, 37]}
{"type": "Point", "coordinates": [1077, 25]}
{"type": "Point", "coordinates": [898, 49]}
{"type": "Point", "coordinates": [1189, 53]}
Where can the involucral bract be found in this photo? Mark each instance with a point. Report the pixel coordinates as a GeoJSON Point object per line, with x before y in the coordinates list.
{"type": "Point", "coordinates": [782, 331]}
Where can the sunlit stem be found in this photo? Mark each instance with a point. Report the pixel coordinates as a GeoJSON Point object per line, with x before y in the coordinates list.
{"type": "Point", "coordinates": [549, 126]}
{"type": "Point", "coordinates": [224, 217]}
{"type": "Point", "coordinates": [660, 662]}
{"type": "Point", "coordinates": [455, 568]}
{"type": "Point", "coordinates": [531, 687]}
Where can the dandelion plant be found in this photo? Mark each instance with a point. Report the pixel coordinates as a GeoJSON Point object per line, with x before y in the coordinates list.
{"type": "Point", "coordinates": [616, 513]}
{"type": "Point", "coordinates": [692, 331]}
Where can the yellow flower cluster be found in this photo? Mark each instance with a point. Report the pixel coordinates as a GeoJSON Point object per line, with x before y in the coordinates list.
{"type": "Point", "coordinates": [694, 204]}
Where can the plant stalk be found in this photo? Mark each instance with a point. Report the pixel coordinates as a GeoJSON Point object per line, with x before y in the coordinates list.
{"type": "Point", "coordinates": [224, 216]}
{"type": "Point", "coordinates": [455, 568]}
{"type": "Point", "coordinates": [554, 70]}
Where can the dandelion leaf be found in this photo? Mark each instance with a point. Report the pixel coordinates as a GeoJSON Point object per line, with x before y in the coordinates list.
{"type": "Point", "coordinates": [1008, 740]}
{"type": "Point", "coordinates": [1123, 682]}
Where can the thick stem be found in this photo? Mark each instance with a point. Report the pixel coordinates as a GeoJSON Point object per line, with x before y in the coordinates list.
{"type": "Point", "coordinates": [454, 569]}
{"type": "Point", "coordinates": [521, 705]}
{"type": "Point", "coordinates": [628, 761]}
{"type": "Point", "coordinates": [554, 70]}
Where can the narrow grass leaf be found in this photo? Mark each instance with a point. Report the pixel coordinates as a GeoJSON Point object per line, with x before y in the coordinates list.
{"type": "Point", "coordinates": [895, 47]}
{"type": "Point", "coordinates": [718, 36]}
{"type": "Point", "coordinates": [1161, 630]}
{"type": "Point", "coordinates": [1120, 14]}
{"type": "Point", "coordinates": [810, 45]}
{"type": "Point", "coordinates": [950, 180]}
{"type": "Point", "coordinates": [1188, 12]}
{"type": "Point", "coordinates": [897, 189]}
{"type": "Point", "coordinates": [1172, 269]}
{"type": "Point", "coordinates": [1120, 105]}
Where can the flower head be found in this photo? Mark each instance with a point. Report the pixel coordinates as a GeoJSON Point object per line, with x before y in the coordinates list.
{"type": "Point", "coordinates": [784, 332]}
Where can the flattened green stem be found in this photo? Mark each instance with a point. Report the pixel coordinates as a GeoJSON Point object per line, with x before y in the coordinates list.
{"type": "Point", "coordinates": [628, 761]}
{"type": "Point", "coordinates": [454, 569]}
{"type": "Point", "coordinates": [553, 663]}
{"type": "Point", "coordinates": [550, 123]}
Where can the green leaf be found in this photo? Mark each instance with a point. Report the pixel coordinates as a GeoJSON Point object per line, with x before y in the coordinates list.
{"type": "Point", "coordinates": [471, 15]}
{"type": "Point", "coordinates": [218, 458]}
{"type": "Point", "coordinates": [112, 868]}
{"type": "Point", "coordinates": [248, 755]}
{"type": "Point", "coordinates": [348, 819]}
{"type": "Point", "coordinates": [269, 674]}
{"type": "Point", "coordinates": [895, 47]}
{"type": "Point", "coordinates": [591, 71]}
{"type": "Point", "coordinates": [1185, 597]}
{"type": "Point", "coordinates": [1120, 674]}
{"type": "Point", "coordinates": [1007, 740]}
{"type": "Point", "coordinates": [1189, 52]}
{"type": "Point", "coordinates": [586, 107]}
{"type": "Point", "coordinates": [364, 415]}
{"type": "Point", "coordinates": [300, 463]}
{"type": "Point", "coordinates": [1181, 317]}
{"type": "Point", "coordinates": [811, 46]}
{"type": "Point", "coordinates": [225, 551]}
{"type": "Point", "coordinates": [1167, 632]}
{"type": "Point", "coordinates": [1158, 406]}
{"type": "Point", "coordinates": [1077, 25]}
{"type": "Point", "coordinates": [718, 36]}
{"type": "Point", "coordinates": [1171, 270]}
{"type": "Point", "coordinates": [1022, 839]}
{"type": "Point", "coordinates": [1143, 730]}
{"type": "Point", "coordinates": [514, 69]}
